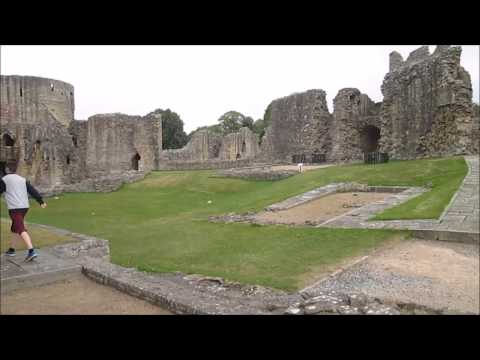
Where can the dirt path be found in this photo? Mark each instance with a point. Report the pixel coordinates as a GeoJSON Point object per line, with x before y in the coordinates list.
{"type": "Point", "coordinates": [431, 273]}
{"type": "Point", "coordinates": [323, 209]}
{"type": "Point", "coordinates": [75, 296]}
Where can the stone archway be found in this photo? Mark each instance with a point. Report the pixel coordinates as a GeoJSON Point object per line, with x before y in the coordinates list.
{"type": "Point", "coordinates": [7, 140]}
{"type": "Point", "coordinates": [136, 161]}
{"type": "Point", "coordinates": [369, 138]}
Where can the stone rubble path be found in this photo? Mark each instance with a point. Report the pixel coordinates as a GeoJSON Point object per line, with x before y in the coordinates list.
{"type": "Point", "coordinates": [436, 274]}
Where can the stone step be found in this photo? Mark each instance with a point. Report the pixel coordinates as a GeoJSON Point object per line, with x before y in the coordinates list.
{"type": "Point", "coordinates": [454, 236]}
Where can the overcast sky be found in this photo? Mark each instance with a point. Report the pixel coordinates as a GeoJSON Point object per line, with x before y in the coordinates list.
{"type": "Point", "coordinates": [201, 83]}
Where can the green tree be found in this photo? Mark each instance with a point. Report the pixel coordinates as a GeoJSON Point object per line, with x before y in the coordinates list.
{"type": "Point", "coordinates": [231, 121]}
{"type": "Point", "coordinates": [248, 122]}
{"type": "Point", "coordinates": [259, 128]}
{"type": "Point", "coordinates": [173, 135]}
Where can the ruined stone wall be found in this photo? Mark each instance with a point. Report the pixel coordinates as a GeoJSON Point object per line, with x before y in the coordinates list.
{"type": "Point", "coordinates": [205, 146]}
{"type": "Point", "coordinates": [242, 145]}
{"type": "Point", "coordinates": [211, 164]}
{"type": "Point", "coordinates": [353, 113]}
{"type": "Point", "coordinates": [475, 135]}
{"type": "Point", "coordinates": [299, 124]}
{"type": "Point", "coordinates": [426, 111]}
{"type": "Point", "coordinates": [427, 105]}
{"type": "Point", "coordinates": [113, 140]}
{"type": "Point", "coordinates": [201, 147]}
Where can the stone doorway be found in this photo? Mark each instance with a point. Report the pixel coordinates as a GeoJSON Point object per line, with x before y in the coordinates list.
{"type": "Point", "coordinates": [369, 138]}
{"type": "Point", "coordinates": [8, 152]}
{"type": "Point", "coordinates": [136, 161]}
{"type": "Point", "coordinates": [7, 140]}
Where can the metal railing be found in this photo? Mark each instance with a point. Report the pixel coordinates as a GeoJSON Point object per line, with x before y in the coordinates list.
{"type": "Point", "coordinates": [375, 158]}
{"type": "Point", "coordinates": [310, 158]}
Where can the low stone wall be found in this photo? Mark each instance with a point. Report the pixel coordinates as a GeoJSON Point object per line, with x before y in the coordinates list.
{"type": "Point", "coordinates": [258, 173]}
{"type": "Point", "coordinates": [190, 294]}
{"type": "Point", "coordinates": [204, 165]}
{"type": "Point", "coordinates": [105, 183]}
{"type": "Point", "coordinates": [332, 189]}
{"type": "Point", "coordinates": [85, 246]}
{"type": "Point", "coordinates": [88, 246]}
{"type": "Point", "coordinates": [203, 295]}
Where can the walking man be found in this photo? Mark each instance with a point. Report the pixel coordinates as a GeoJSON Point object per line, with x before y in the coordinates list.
{"type": "Point", "coordinates": [17, 189]}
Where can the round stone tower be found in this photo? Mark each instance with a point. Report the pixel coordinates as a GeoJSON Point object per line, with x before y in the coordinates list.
{"type": "Point", "coordinates": [25, 99]}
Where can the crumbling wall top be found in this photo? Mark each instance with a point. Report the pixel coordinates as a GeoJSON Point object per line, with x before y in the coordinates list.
{"type": "Point", "coordinates": [420, 54]}
{"type": "Point", "coordinates": [396, 60]}
{"type": "Point", "coordinates": [26, 95]}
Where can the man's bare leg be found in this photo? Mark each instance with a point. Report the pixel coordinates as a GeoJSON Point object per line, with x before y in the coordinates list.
{"type": "Point", "coordinates": [26, 238]}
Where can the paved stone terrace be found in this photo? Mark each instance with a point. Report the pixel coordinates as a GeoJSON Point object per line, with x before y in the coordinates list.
{"type": "Point", "coordinates": [15, 273]}
{"type": "Point", "coordinates": [54, 263]}
{"type": "Point", "coordinates": [462, 214]}
{"type": "Point", "coordinates": [359, 218]}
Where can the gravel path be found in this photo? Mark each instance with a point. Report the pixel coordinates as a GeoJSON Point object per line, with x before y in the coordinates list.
{"type": "Point", "coordinates": [440, 275]}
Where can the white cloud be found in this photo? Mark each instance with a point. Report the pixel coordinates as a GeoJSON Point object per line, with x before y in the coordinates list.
{"type": "Point", "coordinates": [201, 83]}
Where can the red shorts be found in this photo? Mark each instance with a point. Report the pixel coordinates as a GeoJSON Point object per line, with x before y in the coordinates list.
{"type": "Point", "coordinates": [17, 216]}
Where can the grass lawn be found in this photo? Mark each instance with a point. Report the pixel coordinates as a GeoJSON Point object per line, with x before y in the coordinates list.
{"type": "Point", "coordinates": [41, 237]}
{"type": "Point", "coordinates": [160, 224]}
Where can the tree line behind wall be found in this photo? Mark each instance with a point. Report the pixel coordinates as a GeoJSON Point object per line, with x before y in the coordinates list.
{"type": "Point", "coordinates": [233, 121]}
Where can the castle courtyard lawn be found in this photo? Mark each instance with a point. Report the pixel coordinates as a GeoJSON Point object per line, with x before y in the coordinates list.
{"type": "Point", "coordinates": [161, 224]}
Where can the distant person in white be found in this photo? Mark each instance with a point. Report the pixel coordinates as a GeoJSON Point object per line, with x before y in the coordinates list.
{"type": "Point", "coordinates": [17, 189]}
{"type": "Point", "coordinates": [300, 167]}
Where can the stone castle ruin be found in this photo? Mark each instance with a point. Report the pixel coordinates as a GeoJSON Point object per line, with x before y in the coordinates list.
{"type": "Point", "coordinates": [426, 111]}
